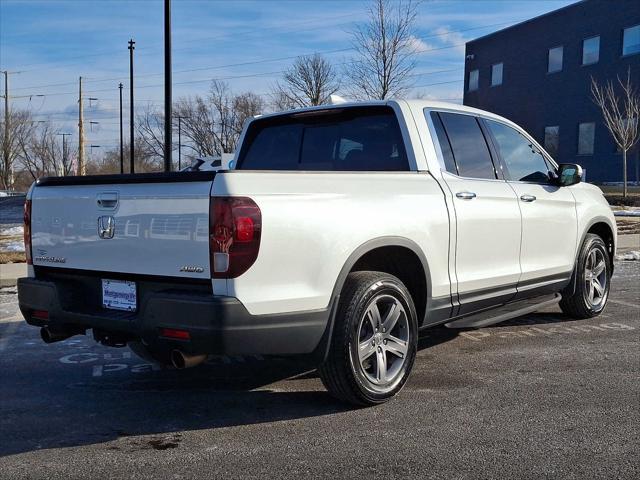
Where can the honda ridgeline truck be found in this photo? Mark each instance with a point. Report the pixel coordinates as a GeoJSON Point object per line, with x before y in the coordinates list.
{"type": "Point", "coordinates": [338, 233]}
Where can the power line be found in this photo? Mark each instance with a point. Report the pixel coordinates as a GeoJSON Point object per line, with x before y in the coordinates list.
{"type": "Point", "coordinates": [232, 77]}
{"type": "Point", "coordinates": [236, 35]}
{"type": "Point", "coordinates": [191, 70]}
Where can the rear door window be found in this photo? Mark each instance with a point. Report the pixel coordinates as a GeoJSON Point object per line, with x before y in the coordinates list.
{"type": "Point", "coordinates": [349, 139]}
{"type": "Point", "coordinates": [445, 146]}
{"type": "Point", "coordinates": [469, 147]}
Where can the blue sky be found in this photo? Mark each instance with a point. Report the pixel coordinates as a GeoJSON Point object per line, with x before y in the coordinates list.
{"type": "Point", "coordinates": [246, 42]}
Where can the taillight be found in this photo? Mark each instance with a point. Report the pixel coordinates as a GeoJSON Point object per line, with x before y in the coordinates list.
{"type": "Point", "coordinates": [174, 333]}
{"type": "Point", "coordinates": [234, 235]}
{"type": "Point", "coordinates": [27, 231]}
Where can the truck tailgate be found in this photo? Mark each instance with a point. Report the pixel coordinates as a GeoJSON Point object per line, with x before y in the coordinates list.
{"type": "Point", "coordinates": [157, 228]}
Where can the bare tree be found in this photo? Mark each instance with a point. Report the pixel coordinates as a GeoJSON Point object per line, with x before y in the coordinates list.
{"type": "Point", "coordinates": [109, 163]}
{"type": "Point", "coordinates": [212, 125]}
{"type": "Point", "coordinates": [21, 125]}
{"type": "Point", "coordinates": [311, 80]}
{"type": "Point", "coordinates": [150, 130]}
{"type": "Point", "coordinates": [197, 124]}
{"type": "Point", "coordinates": [41, 152]}
{"type": "Point", "coordinates": [246, 105]}
{"type": "Point", "coordinates": [621, 112]}
{"type": "Point", "coordinates": [385, 50]}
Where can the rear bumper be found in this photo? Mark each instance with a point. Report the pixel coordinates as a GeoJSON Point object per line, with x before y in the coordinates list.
{"type": "Point", "coordinates": [216, 325]}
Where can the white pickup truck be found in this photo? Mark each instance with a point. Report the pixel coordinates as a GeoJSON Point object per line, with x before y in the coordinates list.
{"type": "Point", "coordinates": [339, 232]}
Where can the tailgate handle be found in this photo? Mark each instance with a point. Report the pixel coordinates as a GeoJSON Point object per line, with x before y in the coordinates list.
{"type": "Point", "coordinates": [107, 200]}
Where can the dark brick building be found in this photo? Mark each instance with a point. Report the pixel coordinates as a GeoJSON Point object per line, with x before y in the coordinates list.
{"type": "Point", "coordinates": [538, 74]}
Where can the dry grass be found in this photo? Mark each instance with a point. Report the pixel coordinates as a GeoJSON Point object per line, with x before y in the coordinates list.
{"type": "Point", "coordinates": [12, 257]}
{"type": "Point", "coordinates": [628, 225]}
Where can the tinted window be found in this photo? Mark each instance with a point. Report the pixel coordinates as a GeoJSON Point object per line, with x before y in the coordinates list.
{"type": "Point", "coordinates": [445, 146]}
{"type": "Point", "coordinates": [469, 147]}
{"type": "Point", "coordinates": [552, 140]}
{"type": "Point", "coordinates": [555, 59]}
{"type": "Point", "coordinates": [523, 160]}
{"type": "Point", "coordinates": [496, 74]}
{"type": "Point", "coordinates": [342, 139]}
{"type": "Point", "coordinates": [474, 80]}
{"type": "Point", "coordinates": [586, 136]}
{"type": "Point", "coordinates": [591, 50]}
{"type": "Point", "coordinates": [631, 40]}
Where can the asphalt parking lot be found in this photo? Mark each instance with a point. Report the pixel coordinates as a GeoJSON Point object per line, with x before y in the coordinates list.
{"type": "Point", "coordinates": [542, 396]}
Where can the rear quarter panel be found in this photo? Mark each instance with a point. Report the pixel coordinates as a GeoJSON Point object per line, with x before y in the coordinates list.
{"type": "Point", "coordinates": [312, 222]}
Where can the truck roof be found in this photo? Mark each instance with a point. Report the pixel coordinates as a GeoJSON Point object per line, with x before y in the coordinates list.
{"type": "Point", "coordinates": [415, 103]}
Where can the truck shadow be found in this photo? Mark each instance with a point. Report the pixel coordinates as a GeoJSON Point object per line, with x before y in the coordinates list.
{"type": "Point", "coordinates": [121, 401]}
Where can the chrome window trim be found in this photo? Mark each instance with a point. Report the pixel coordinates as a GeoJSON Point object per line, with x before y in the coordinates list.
{"type": "Point", "coordinates": [427, 114]}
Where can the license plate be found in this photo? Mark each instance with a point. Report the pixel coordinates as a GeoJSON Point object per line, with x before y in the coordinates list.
{"type": "Point", "coordinates": [119, 295]}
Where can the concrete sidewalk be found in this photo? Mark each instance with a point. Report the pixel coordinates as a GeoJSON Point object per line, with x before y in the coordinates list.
{"type": "Point", "coordinates": [10, 272]}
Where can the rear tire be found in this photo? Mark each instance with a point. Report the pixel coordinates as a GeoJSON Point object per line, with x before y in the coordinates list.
{"type": "Point", "coordinates": [592, 282]}
{"type": "Point", "coordinates": [374, 343]}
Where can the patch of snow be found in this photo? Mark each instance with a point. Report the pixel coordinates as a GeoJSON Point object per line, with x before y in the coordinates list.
{"type": "Point", "coordinates": [12, 247]}
{"type": "Point", "coordinates": [11, 231]}
{"type": "Point", "coordinates": [632, 212]}
{"type": "Point", "coordinates": [629, 256]}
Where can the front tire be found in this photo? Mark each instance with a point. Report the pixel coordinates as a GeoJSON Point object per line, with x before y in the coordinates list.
{"type": "Point", "coordinates": [374, 342]}
{"type": "Point", "coordinates": [592, 282]}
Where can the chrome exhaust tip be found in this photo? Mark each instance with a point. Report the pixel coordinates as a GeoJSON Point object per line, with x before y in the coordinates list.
{"type": "Point", "coordinates": [182, 360]}
{"type": "Point", "coordinates": [51, 336]}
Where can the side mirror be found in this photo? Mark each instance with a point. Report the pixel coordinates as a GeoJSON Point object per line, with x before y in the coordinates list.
{"type": "Point", "coordinates": [569, 174]}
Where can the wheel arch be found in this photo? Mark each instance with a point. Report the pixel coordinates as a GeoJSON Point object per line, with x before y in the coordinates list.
{"type": "Point", "coordinates": [602, 227]}
{"type": "Point", "coordinates": [604, 230]}
{"type": "Point", "coordinates": [387, 254]}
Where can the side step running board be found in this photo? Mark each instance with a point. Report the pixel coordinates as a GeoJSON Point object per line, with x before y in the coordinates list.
{"type": "Point", "coordinates": [507, 312]}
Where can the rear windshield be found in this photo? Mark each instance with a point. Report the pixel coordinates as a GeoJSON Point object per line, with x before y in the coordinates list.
{"type": "Point", "coordinates": [349, 139]}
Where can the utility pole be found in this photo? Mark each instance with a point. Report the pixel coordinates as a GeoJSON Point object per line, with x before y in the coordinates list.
{"type": "Point", "coordinates": [121, 149]}
{"type": "Point", "coordinates": [5, 146]}
{"type": "Point", "coordinates": [131, 146]}
{"type": "Point", "coordinates": [167, 86]}
{"type": "Point", "coordinates": [81, 167]}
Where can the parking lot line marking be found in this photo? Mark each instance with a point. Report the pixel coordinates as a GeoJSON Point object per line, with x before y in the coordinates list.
{"type": "Point", "coordinates": [626, 304]}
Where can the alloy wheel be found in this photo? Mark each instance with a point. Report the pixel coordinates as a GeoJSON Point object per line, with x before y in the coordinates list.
{"type": "Point", "coordinates": [595, 278]}
{"type": "Point", "coordinates": [383, 341]}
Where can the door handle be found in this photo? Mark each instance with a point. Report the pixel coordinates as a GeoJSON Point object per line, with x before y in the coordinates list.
{"type": "Point", "coordinates": [107, 200]}
{"type": "Point", "coordinates": [528, 198]}
{"type": "Point", "coordinates": [466, 195]}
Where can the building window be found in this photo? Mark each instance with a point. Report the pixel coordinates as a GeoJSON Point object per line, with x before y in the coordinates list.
{"type": "Point", "coordinates": [555, 59]}
{"type": "Point", "coordinates": [631, 40]}
{"type": "Point", "coordinates": [474, 77]}
{"type": "Point", "coordinates": [496, 74]}
{"type": "Point", "coordinates": [586, 137]}
{"type": "Point", "coordinates": [552, 140]}
{"type": "Point", "coordinates": [591, 51]}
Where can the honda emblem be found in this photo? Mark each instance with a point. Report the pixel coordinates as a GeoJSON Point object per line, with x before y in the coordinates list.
{"type": "Point", "coordinates": [106, 227]}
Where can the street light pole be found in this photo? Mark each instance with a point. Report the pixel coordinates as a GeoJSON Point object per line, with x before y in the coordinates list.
{"type": "Point", "coordinates": [121, 147]}
{"type": "Point", "coordinates": [64, 153]}
{"type": "Point", "coordinates": [131, 146]}
{"type": "Point", "coordinates": [179, 143]}
{"type": "Point", "coordinates": [7, 122]}
{"type": "Point", "coordinates": [167, 86]}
